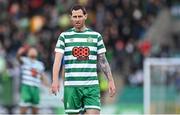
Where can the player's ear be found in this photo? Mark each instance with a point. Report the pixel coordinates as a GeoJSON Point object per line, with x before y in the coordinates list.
{"type": "Point", "coordinates": [86, 15]}
{"type": "Point", "coordinates": [70, 16]}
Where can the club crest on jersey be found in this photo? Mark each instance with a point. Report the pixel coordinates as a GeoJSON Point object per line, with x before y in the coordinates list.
{"type": "Point", "coordinates": [89, 39]}
{"type": "Point", "coordinates": [82, 53]}
{"type": "Point", "coordinates": [34, 72]}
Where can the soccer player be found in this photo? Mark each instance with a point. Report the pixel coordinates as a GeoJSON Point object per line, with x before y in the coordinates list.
{"type": "Point", "coordinates": [32, 72]}
{"type": "Point", "coordinates": [83, 49]}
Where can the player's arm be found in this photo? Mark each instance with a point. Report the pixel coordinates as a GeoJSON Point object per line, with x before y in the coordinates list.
{"type": "Point", "coordinates": [20, 52]}
{"type": "Point", "coordinates": [104, 65]}
{"type": "Point", "coordinates": [55, 75]}
{"type": "Point", "coordinates": [56, 66]}
{"type": "Point", "coordinates": [44, 80]}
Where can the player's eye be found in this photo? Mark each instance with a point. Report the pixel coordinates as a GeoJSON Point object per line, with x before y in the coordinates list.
{"type": "Point", "coordinates": [74, 16]}
{"type": "Point", "coordinates": [79, 16]}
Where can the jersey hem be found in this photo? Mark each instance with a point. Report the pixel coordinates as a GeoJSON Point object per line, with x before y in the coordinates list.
{"type": "Point", "coordinates": [81, 85]}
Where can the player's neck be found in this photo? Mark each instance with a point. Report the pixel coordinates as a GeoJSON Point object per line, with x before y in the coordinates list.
{"type": "Point", "coordinates": [32, 59]}
{"type": "Point", "coordinates": [81, 29]}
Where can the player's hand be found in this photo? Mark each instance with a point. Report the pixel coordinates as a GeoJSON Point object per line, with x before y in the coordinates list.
{"type": "Point", "coordinates": [112, 88]}
{"type": "Point", "coordinates": [21, 50]}
{"type": "Point", "coordinates": [55, 87]}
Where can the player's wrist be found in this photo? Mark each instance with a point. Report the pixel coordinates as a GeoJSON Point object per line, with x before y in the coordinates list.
{"type": "Point", "coordinates": [55, 81]}
{"type": "Point", "coordinates": [111, 79]}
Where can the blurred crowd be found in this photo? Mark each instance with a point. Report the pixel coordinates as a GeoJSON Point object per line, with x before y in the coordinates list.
{"type": "Point", "coordinates": [38, 23]}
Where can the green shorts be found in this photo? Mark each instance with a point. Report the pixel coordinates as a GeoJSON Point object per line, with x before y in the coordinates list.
{"type": "Point", "coordinates": [30, 95]}
{"type": "Point", "coordinates": [78, 99]}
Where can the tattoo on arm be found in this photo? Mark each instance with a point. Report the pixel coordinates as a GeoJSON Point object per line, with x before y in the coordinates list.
{"type": "Point", "coordinates": [104, 65]}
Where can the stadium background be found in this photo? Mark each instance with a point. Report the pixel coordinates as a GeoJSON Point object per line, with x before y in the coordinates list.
{"type": "Point", "coordinates": [132, 31]}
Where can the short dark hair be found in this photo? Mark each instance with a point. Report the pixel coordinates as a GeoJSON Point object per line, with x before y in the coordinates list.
{"type": "Point", "coordinates": [77, 7]}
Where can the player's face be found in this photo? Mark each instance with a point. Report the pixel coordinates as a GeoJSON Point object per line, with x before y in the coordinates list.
{"type": "Point", "coordinates": [32, 53]}
{"type": "Point", "coordinates": [78, 18]}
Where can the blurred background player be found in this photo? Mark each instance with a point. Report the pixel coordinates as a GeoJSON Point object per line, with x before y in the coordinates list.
{"type": "Point", "coordinates": [32, 72]}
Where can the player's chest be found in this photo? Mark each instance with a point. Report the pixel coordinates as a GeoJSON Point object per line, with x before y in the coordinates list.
{"type": "Point", "coordinates": [81, 41]}
{"type": "Point", "coordinates": [31, 66]}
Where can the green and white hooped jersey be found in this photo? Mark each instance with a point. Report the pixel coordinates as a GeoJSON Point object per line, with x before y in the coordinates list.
{"type": "Point", "coordinates": [80, 51]}
{"type": "Point", "coordinates": [31, 70]}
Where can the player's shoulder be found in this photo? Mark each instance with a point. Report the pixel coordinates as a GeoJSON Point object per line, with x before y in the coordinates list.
{"type": "Point", "coordinates": [67, 32]}
{"type": "Point", "coordinates": [24, 59]}
{"type": "Point", "coordinates": [90, 31]}
{"type": "Point", "coordinates": [72, 31]}
{"type": "Point", "coordinates": [40, 62]}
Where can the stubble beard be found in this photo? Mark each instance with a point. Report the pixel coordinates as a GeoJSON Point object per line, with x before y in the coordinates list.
{"type": "Point", "coordinates": [79, 27]}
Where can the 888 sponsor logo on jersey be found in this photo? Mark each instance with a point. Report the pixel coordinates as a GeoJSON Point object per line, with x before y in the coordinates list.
{"type": "Point", "coordinates": [82, 53]}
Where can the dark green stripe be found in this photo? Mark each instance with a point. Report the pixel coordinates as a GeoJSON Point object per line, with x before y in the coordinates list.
{"type": "Point", "coordinates": [89, 30]}
{"type": "Point", "coordinates": [101, 46]}
{"type": "Point", "coordinates": [81, 36]}
{"type": "Point", "coordinates": [80, 62]}
{"type": "Point", "coordinates": [81, 44]}
{"type": "Point", "coordinates": [81, 69]}
{"type": "Point", "coordinates": [80, 78]}
{"type": "Point", "coordinates": [61, 38]}
{"type": "Point", "coordinates": [60, 47]}
{"type": "Point", "coordinates": [99, 38]}
{"type": "Point", "coordinates": [73, 29]}
{"type": "Point", "coordinates": [70, 53]}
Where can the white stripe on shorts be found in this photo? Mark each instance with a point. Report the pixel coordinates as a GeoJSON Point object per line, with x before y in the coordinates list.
{"type": "Point", "coordinates": [92, 107]}
{"type": "Point", "coordinates": [72, 110]}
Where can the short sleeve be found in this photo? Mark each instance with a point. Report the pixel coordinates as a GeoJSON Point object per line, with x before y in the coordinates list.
{"type": "Point", "coordinates": [60, 45]}
{"type": "Point", "coordinates": [100, 45]}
